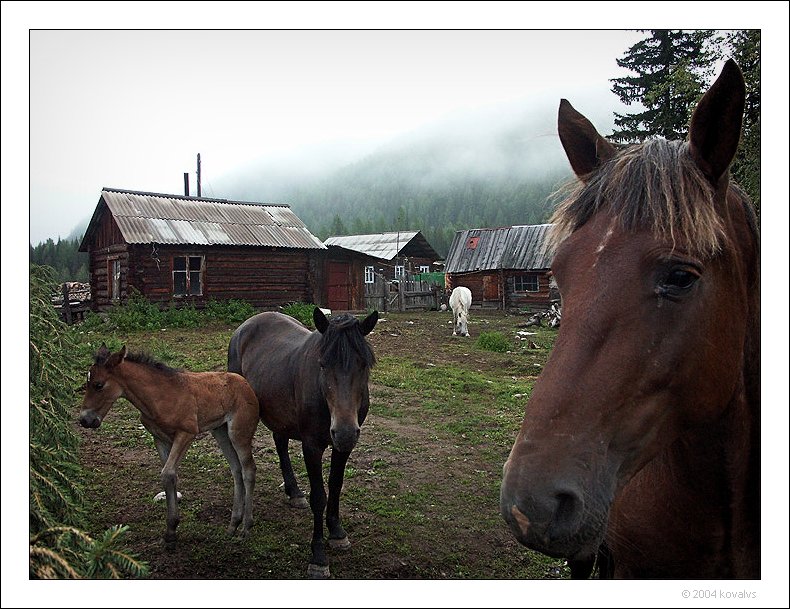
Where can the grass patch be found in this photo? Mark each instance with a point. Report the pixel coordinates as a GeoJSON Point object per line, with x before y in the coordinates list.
{"type": "Point", "coordinates": [494, 341]}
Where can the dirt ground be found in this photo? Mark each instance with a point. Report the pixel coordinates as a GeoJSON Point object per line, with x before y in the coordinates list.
{"type": "Point", "coordinates": [420, 498]}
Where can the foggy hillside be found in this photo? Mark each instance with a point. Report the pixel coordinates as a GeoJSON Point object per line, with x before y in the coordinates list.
{"type": "Point", "coordinates": [495, 167]}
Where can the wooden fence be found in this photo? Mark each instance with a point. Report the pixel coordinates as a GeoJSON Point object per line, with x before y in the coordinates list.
{"type": "Point", "coordinates": [403, 295]}
{"type": "Point", "coordinates": [73, 301]}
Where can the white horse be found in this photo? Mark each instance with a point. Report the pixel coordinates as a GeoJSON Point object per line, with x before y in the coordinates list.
{"type": "Point", "coordinates": [460, 302]}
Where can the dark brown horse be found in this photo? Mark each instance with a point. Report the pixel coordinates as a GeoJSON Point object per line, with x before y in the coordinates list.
{"type": "Point", "coordinates": [312, 387]}
{"type": "Point", "coordinates": [175, 406]}
{"type": "Point", "coordinates": [642, 435]}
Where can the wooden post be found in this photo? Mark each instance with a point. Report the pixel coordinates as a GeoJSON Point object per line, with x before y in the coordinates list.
{"type": "Point", "coordinates": [381, 290]}
{"type": "Point", "coordinates": [66, 305]}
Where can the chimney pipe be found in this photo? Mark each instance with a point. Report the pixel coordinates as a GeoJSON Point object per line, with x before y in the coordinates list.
{"type": "Point", "coordinates": [186, 184]}
{"type": "Point", "coordinates": [198, 174]}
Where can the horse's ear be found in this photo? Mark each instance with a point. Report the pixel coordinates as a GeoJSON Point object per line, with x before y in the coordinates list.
{"type": "Point", "coordinates": [585, 147]}
{"type": "Point", "coordinates": [116, 358]}
{"type": "Point", "coordinates": [320, 320]}
{"type": "Point", "coordinates": [715, 128]}
{"type": "Point", "coordinates": [367, 324]}
{"type": "Point", "coordinates": [102, 354]}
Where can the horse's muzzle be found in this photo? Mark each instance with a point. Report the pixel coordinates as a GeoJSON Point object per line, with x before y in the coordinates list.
{"type": "Point", "coordinates": [89, 419]}
{"type": "Point", "coordinates": [548, 517]}
{"type": "Point", "coordinates": [344, 439]}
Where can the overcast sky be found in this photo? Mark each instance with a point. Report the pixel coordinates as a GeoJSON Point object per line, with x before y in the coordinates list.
{"type": "Point", "coordinates": [131, 108]}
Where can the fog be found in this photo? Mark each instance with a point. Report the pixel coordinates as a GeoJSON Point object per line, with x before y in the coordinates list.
{"type": "Point", "coordinates": [132, 109]}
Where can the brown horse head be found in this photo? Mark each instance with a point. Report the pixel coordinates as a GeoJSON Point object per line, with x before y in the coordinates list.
{"type": "Point", "coordinates": [101, 389]}
{"type": "Point", "coordinates": [345, 362]}
{"type": "Point", "coordinates": [657, 264]}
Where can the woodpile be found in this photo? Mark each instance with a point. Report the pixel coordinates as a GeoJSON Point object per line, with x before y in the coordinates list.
{"type": "Point", "coordinates": [550, 318]}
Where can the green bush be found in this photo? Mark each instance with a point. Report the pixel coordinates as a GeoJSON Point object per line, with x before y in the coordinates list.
{"type": "Point", "coordinates": [493, 341]}
{"type": "Point", "coordinates": [302, 312]}
{"type": "Point", "coordinates": [137, 313]}
{"type": "Point", "coordinates": [58, 548]}
{"type": "Point", "coordinates": [230, 311]}
{"type": "Point", "coordinates": [181, 317]}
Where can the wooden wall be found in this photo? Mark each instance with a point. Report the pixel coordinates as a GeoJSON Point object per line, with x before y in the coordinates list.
{"type": "Point", "coordinates": [494, 289]}
{"type": "Point", "coordinates": [264, 277]}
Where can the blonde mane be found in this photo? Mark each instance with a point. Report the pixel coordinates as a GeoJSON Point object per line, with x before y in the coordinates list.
{"type": "Point", "coordinates": [655, 186]}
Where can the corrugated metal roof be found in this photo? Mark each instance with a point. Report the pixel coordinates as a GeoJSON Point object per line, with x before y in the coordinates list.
{"type": "Point", "coordinates": [160, 218]}
{"type": "Point", "coordinates": [384, 246]}
{"type": "Point", "coordinates": [488, 249]}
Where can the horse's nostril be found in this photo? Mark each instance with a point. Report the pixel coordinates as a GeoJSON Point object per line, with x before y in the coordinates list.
{"type": "Point", "coordinates": [567, 512]}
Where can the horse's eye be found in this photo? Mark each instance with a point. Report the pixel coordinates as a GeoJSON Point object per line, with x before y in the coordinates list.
{"type": "Point", "coordinates": [98, 386]}
{"type": "Point", "coordinates": [678, 280]}
{"type": "Point", "coordinates": [681, 279]}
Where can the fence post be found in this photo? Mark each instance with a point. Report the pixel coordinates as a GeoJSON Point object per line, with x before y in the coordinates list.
{"type": "Point", "coordinates": [66, 304]}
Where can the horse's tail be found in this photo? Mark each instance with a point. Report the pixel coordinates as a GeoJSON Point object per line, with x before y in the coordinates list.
{"type": "Point", "coordinates": [234, 357]}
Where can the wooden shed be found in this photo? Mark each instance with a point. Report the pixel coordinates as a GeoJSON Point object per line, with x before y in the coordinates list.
{"type": "Point", "coordinates": [384, 271]}
{"type": "Point", "coordinates": [176, 249]}
{"type": "Point", "coordinates": [395, 254]}
{"type": "Point", "coordinates": [346, 272]}
{"type": "Point", "coordinates": [505, 268]}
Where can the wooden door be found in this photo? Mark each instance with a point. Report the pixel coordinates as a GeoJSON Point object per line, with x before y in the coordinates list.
{"type": "Point", "coordinates": [339, 286]}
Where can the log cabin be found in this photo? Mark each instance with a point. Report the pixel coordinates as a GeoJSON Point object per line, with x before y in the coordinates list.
{"type": "Point", "coordinates": [177, 250]}
{"type": "Point", "coordinates": [506, 268]}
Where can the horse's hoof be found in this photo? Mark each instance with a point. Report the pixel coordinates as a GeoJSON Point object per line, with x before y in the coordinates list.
{"type": "Point", "coordinates": [298, 502]}
{"type": "Point", "coordinates": [340, 544]}
{"type": "Point", "coordinates": [161, 496]}
{"type": "Point", "coordinates": [170, 545]}
{"type": "Point", "coordinates": [317, 571]}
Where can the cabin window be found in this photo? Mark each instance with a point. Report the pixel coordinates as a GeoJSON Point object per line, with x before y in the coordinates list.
{"type": "Point", "coordinates": [370, 276]}
{"type": "Point", "coordinates": [399, 271]}
{"type": "Point", "coordinates": [424, 268]}
{"type": "Point", "coordinates": [188, 275]}
{"type": "Point", "coordinates": [525, 283]}
{"type": "Point", "coordinates": [114, 271]}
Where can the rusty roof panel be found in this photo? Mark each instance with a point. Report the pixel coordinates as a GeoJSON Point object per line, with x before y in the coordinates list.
{"type": "Point", "coordinates": [247, 214]}
{"type": "Point", "coordinates": [512, 247]}
{"type": "Point", "coordinates": [240, 234]}
{"type": "Point", "coordinates": [189, 232]}
{"type": "Point", "coordinates": [173, 219]}
{"type": "Point", "coordinates": [285, 217]}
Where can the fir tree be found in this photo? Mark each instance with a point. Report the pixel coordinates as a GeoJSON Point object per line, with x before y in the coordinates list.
{"type": "Point", "coordinates": [744, 46]}
{"type": "Point", "coordinates": [672, 68]}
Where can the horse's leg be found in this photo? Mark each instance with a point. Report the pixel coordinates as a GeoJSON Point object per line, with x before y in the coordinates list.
{"type": "Point", "coordinates": [338, 539]}
{"type": "Point", "coordinates": [223, 439]}
{"type": "Point", "coordinates": [170, 480]}
{"type": "Point", "coordinates": [295, 494]}
{"type": "Point", "coordinates": [581, 568]}
{"type": "Point", "coordinates": [319, 566]}
{"type": "Point", "coordinates": [241, 431]}
{"type": "Point", "coordinates": [163, 448]}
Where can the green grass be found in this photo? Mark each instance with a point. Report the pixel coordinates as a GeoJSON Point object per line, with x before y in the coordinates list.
{"type": "Point", "coordinates": [418, 500]}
